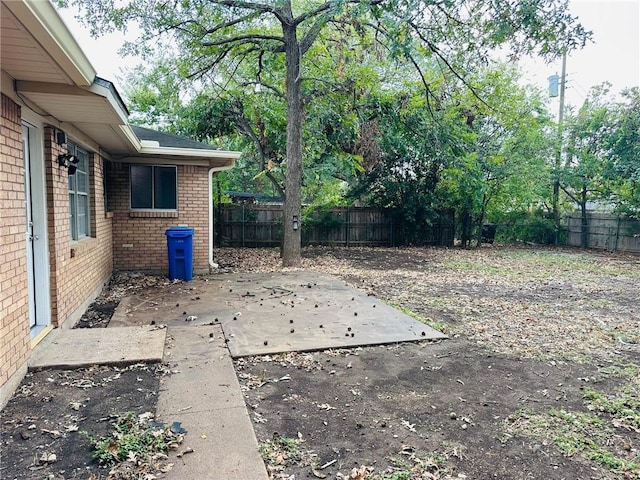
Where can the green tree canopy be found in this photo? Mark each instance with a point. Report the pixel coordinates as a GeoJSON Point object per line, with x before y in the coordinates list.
{"type": "Point", "coordinates": [211, 39]}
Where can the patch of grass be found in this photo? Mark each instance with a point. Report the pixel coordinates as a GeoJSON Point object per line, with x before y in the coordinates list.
{"type": "Point", "coordinates": [466, 265]}
{"type": "Point", "coordinates": [414, 466]}
{"type": "Point", "coordinates": [281, 451]}
{"type": "Point", "coordinates": [629, 370]}
{"type": "Point", "coordinates": [441, 303]}
{"type": "Point", "coordinates": [569, 262]}
{"type": "Point", "coordinates": [133, 439]}
{"type": "Point", "coordinates": [440, 326]}
{"type": "Point", "coordinates": [623, 405]}
{"type": "Point", "coordinates": [575, 434]}
{"type": "Point", "coordinates": [399, 475]}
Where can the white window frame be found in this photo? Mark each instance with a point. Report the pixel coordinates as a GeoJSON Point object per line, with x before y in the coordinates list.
{"type": "Point", "coordinates": [153, 187]}
{"type": "Point", "coordinates": [76, 216]}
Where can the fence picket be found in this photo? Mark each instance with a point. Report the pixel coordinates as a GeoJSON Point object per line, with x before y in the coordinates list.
{"type": "Point", "coordinates": [261, 226]}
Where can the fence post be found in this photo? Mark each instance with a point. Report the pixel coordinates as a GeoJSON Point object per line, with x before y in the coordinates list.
{"type": "Point", "coordinates": [243, 220]}
{"type": "Point", "coordinates": [391, 230]}
{"type": "Point", "coordinates": [615, 249]}
{"type": "Point", "coordinates": [347, 225]}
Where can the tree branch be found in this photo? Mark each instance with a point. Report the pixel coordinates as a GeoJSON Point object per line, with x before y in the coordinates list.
{"type": "Point", "coordinates": [240, 39]}
{"type": "Point", "coordinates": [231, 23]}
{"type": "Point", "coordinates": [436, 50]}
{"type": "Point", "coordinates": [266, 85]}
{"type": "Point", "coordinates": [256, 7]}
{"type": "Point", "coordinates": [564, 189]}
{"type": "Point", "coordinates": [312, 34]}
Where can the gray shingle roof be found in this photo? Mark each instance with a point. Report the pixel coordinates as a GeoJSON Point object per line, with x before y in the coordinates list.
{"type": "Point", "coordinates": [169, 140]}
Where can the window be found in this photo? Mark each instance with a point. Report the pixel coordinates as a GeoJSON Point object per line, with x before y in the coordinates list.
{"type": "Point", "coordinates": [154, 187]}
{"type": "Point", "coordinates": [79, 194]}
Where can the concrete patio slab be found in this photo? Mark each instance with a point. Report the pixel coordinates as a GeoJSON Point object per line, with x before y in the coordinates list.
{"type": "Point", "coordinates": [84, 347]}
{"type": "Point", "coordinates": [304, 312]}
{"type": "Point", "coordinates": [205, 396]}
{"type": "Point", "coordinates": [278, 312]}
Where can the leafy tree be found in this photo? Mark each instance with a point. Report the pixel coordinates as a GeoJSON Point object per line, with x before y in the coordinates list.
{"type": "Point", "coordinates": [583, 176]}
{"type": "Point", "coordinates": [623, 164]}
{"type": "Point", "coordinates": [212, 38]}
{"type": "Point", "coordinates": [503, 165]}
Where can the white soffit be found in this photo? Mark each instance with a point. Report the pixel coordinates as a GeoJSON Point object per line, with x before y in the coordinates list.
{"type": "Point", "coordinates": [37, 45]}
{"type": "Point", "coordinates": [72, 104]}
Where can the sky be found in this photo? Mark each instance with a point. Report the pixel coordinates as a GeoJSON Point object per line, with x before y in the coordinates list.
{"type": "Point", "coordinates": [613, 56]}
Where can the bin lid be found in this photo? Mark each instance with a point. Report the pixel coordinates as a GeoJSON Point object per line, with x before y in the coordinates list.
{"type": "Point", "coordinates": [179, 232]}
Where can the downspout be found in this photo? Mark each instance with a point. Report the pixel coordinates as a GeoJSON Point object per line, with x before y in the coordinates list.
{"type": "Point", "coordinates": [213, 170]}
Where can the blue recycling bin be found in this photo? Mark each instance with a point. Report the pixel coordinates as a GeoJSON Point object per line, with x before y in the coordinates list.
{"type": "Point", "coordinates": [180, 249]}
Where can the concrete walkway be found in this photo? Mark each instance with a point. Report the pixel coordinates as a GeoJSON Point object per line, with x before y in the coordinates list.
{"type": "Point", "coordinates": [260, 313]}
{"type": "Point", "coordinates": [202, 393]}
{"type": "Point", "coordinates": [83, 347]}
{"type": "Point", "coordinates": [205, 396]}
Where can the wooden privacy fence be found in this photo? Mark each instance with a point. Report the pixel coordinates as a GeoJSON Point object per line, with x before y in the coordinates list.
{"type": "Point", "coordinates": [605, 231]}
{"type": "Point", "coordinates": [261, 226]}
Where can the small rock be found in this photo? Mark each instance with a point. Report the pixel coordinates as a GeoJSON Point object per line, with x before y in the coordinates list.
{"type": "Point", "coordinates": [191, 318]}
{"type": "Point", "coordinates": [453, 415]}
{"type": "Point", "coordinates": [266, 343]}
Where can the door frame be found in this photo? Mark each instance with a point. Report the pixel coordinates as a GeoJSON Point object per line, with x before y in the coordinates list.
{"type": "Point", "coordinates": [41, 297]}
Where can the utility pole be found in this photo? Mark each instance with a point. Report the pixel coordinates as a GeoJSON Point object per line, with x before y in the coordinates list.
{"type": "Point", "coordinates": [558, 162]}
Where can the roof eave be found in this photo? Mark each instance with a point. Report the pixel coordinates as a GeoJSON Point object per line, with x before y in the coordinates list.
{"type": "Point", "coordinates": [47, 27]}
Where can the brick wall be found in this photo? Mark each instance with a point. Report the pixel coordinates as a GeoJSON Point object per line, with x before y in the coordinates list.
{"type": "Point", "coordinates": [14, 303]}
{"type": "Point", "coordinates": [139, 239]}
{"type": "Point", "coordinates": [78, 269]}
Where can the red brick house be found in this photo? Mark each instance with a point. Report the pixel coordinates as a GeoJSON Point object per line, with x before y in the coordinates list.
{"type": "Point", "coordinates": [82, 192]}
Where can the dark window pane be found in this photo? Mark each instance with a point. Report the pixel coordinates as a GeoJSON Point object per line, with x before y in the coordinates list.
{"type": "Point", "coordinates": [141, 186]}
{"type": "Point", "coordinates": [165, 188]}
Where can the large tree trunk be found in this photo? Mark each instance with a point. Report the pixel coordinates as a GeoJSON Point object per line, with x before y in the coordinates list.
{"type": "Point", "coordinates": [293, 187]}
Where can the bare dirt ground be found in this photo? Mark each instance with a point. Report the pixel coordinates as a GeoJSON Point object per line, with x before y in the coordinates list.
{"type": "Point", "coordinates": [540, 378]}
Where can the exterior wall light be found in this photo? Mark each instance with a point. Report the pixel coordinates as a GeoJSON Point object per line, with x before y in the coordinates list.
{"type": "Point", "coordinates": [68, 161]}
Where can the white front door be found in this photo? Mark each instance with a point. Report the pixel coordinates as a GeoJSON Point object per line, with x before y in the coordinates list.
{"type": "Point", "coordinates": [36, 230]}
